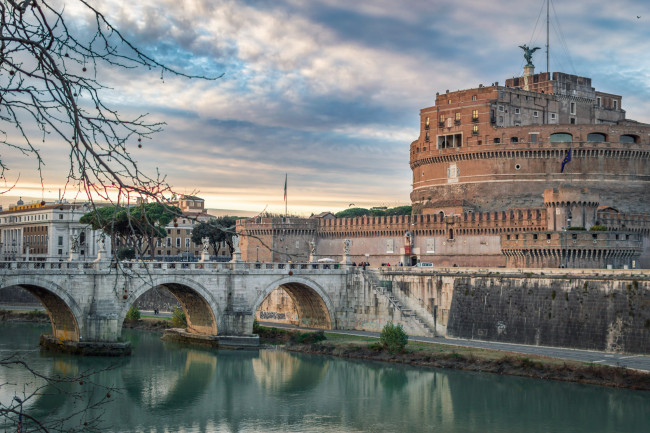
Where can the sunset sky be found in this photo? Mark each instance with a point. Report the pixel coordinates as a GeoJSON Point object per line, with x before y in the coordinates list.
{"type": "Point", "coordinates": [329, 91]}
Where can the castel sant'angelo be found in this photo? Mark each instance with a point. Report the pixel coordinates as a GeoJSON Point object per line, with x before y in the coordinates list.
{"type": "Point", "coordinates": [543, 171]}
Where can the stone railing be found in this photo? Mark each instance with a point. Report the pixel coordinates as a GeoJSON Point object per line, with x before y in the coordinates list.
{"type": "Point", "coordinates": [161, 266]}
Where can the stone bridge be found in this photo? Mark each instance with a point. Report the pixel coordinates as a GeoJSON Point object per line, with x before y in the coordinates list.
{"type": "Point", "coordinates": [88, 301]}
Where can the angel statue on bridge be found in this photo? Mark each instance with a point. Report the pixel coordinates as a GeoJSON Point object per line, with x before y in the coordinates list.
{"type": "Point", "coordinates": [528, 53]}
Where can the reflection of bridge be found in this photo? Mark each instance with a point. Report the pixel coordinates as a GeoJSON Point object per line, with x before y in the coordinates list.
{"type": "Point", "coordinates": [88, 301]}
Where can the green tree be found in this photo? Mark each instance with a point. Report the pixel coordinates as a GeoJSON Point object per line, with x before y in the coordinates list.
{"type": "Point", "coordinates": [141, 224]}
{"type": "Point", "coordinates": [393, 337]}
{"type": "Point", "coordinates": [217, 230]}
{"type": "Point", "coordinates": [352, 212]}
{"type": "Point", "coordinates": [133, 314]}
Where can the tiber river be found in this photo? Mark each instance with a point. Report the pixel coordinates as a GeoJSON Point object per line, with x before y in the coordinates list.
{"type": "Point", "coordinates": [164, 387]}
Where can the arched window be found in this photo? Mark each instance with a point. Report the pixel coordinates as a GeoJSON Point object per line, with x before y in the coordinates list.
{"type": "Point", "coordinates": [626, 138]}
{"type": "Point", "coordinates": [561, 137]}
{"type": "Point", "coordinates": [596, 137]}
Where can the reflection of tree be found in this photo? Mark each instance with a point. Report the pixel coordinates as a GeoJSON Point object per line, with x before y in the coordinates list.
{"type": "Point", "coordinates": [285, 372]}
{"type": "Point", "coordinates": [162, 391]}
{"type": "Point", "coordinates": [393, 379]}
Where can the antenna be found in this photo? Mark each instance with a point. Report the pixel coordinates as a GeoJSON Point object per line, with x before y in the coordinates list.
{"type": "Point", "coordinates": [547, 45]}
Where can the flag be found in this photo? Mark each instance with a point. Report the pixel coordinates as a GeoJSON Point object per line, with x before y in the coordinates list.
{"type": "Point", "coordinates": [566, 160]}
{"type": "Point", "coordinates": [285, 187]}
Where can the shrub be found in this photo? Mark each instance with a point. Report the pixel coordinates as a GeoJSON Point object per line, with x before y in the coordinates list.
{"type": "Point", "coordinates": [598, 228]}
{"type": "Point", "coordinates": [308, 337]}
{"type": "Point", "coordinates": [393, 338]}
{"type": "Point", "coordinates": [576, 228]}
{"type": "Point", "coordinates": [178, 318]}
{"type": "Point", "coordinates": [133, 314]}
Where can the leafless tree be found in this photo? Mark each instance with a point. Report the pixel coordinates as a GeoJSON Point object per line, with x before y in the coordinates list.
{"type": "Point", "coordinates": [83, 396]}
{"type": "Point", "coordinates": [50, 90]}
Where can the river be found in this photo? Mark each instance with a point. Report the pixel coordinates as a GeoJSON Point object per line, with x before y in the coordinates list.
{"type": "Point", "coordinates": [164, 387]}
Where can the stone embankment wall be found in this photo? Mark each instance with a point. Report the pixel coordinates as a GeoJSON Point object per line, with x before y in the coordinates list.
{"type": "Point", "coordinates": [586, 309]}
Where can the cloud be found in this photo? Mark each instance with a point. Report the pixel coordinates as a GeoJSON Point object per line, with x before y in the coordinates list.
{"type": "Point", "coordinates": [330, 90]}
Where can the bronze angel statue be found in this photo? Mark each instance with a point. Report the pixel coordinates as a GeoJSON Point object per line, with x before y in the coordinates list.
{"type": "Point", "coordinates": [528, 54]}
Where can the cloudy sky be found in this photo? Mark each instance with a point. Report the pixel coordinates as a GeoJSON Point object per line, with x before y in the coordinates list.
{"type": "Point", "coordinates": [329, 91]}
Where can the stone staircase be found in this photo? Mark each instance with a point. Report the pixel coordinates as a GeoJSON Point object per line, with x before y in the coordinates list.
{"type": "Point", "coordinates": [372, 279]}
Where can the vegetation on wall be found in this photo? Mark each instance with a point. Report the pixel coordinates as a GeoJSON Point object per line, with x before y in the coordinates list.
{"type": "Point", "coordinates": [375, 211]}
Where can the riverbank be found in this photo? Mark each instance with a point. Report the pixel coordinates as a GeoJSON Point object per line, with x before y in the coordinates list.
{"type": "Point", "coordinates": [431, 355]}
{"type": "Point", "coordinates": [426, 355]}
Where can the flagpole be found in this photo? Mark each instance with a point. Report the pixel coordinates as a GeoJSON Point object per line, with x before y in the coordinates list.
{"type": "Point", "coordinates": [286, 213]}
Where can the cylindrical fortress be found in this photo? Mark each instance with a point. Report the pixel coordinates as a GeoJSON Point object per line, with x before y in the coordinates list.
{"type": "Point", "coordinates": [514, 172]}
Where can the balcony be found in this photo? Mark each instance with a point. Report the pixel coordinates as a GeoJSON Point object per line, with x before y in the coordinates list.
{"type": "Point", "coordinates": [457, 122]}
{"type": "Point", "coordinates": [441, 124]}
{"type": "Point", "coordinates": [475, 119]}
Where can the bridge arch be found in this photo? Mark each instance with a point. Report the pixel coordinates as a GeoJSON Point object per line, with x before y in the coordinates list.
{"type": "Point", "coordinates": [65, 314]}
{"type": "Point", "coordinates": [314, 307]}
{"type": "Point", "coordinates": [202, 312]}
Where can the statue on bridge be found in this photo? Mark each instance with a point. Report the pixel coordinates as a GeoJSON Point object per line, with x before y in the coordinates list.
{"type": "Point", "coordinates": [205, 242]}
{"type": "Point", "coordinates": [74, 244]}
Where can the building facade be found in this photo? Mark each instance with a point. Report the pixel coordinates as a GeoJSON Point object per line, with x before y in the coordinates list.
{"type": "Point", "coordinates": [544, 171]}
{"type": "Point", "coordinates": [47, 231]}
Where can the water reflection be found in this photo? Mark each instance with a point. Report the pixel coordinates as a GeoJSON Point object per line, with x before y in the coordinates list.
{"type": "Point", "coordinates": [167, 387]}
{"type": "Point", "coordinates": [279, 371]}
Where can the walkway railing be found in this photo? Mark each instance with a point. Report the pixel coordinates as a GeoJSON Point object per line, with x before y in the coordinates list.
{"type": "Point", "coordinates": [156, 265]}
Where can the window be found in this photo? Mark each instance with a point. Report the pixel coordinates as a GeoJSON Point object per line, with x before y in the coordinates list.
{"type": "Point", "coordinates": [457, 117]}
{"type": "Point", "coordinates": [599, 101]}
{"type": "Point", "coordinates": [169, 242]}
{"type": "Point", "coordinates": [517, 111]}
{"type": "Point", "coordinates": [442, 118]}
{"type": "Point", "coordinates": [615, 105]}
{"type": "Point", "coordinates": [60, 216]}
{"type": "Point", "coordinates": [426, 123]}
{"type": "Point", "coordinates": [475, 130]}
{"type": "Point", "coordinates": [60, 241]}
{"type": "Point", "coordinates": [560, 137]}
{"type": "Point", "coordinates": [474, 98]}
{"type": "Point", "coordinates": [496, 141]}
{"type": "Point", "coordinates": [627, 138]}
{"type": "Point", "coordinates": [535, 113]}
{"type": "Point", "coordinates": [596, 137]}
{"type": "Point", "coordinates": [426, 136]}
{"type": "Point", "coordinates": [573, 108]}
{"type": "Point", "coordinates": [500, 107]}
{"type": "Point", "coordinates": [474, 115]}
{"type": "Point", "coordinates": [573, 120]}
{"type": "Point", "coordinates": [60, 251]}
{"type": "Point", "coordinates": [533, 137]}
{"type": "Point", "coordinates": [178, 242]}
{"type": "Point", "coordinates": [552, 116]}
{"type": "Point", "coordinates": [514, 139]}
